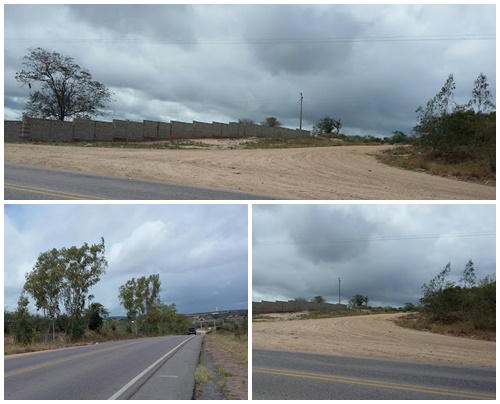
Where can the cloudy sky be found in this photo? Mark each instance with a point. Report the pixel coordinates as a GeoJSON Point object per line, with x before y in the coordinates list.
{"type": "Point", "coordinates": [385, 252]}
{"type": "Point", "coordinates": [200, 251]}
{"type": "Point", "coordinates": [371, 66]}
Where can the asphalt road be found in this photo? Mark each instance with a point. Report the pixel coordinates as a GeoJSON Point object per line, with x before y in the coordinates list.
{"type": "Point", "coordinates": [159, 368]}
{"type": "Point", "coordinates": [282, 375]}
{"type": "Point", "coordinates": [24, 182]}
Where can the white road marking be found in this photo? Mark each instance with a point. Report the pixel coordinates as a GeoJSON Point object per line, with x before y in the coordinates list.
{"type": "Point", "coordinates": [130, 383]}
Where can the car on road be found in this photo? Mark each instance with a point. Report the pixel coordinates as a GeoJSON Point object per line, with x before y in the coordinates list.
{"type": "Point", "coordinates": [192, 330]}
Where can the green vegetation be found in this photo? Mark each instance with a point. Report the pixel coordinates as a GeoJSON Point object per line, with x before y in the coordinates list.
{"type": "Point", "coordinates": [319, 299]}
{"type": "Point", "coordinates": [417, 159]}
{"type": "Point", "coordinates": [358, 301]}
{"type": "Point", "coordinates": [468, 308]}
{"type": "Point", "coordinates": [23, 327]}
{"type": "Point", "coordinates": [451, 139]}
{"type": "Point", "coordinates": [65, 276]}
{"type": "Point", "coordinates": [272, 122]}
{"type": "Point", "coordinates": [146, 313]}
{"type": "Point", "coordinates": [327, 125]}
{"type": "Point", "coordinates": [162, 145]}
{"type": "Point", "coordinates": [229, 353]}
{"type": "Point", "coordinates": [474, 301]}
{"type": "Point", "coordinates": [202, 377]}
{"type": "Point", "coordinates": [62, 278]}
{"type": "Point", "coordinates": [318, 314]}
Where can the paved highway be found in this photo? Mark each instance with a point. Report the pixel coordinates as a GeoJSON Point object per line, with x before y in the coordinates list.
{"type": "Point", "coordinates": [281, 375]}
{"type": "Point", "coordinates": [24, 182]}
{"type": "Point", "coordinates": [159, 368]}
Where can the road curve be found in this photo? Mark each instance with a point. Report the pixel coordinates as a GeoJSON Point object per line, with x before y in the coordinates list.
{"type": "Point", "coordinates": [25, 182]}
{"type": "Point", "coordinates": [146, 368]}
{"type": "Point", "coordinates": [282, 375]}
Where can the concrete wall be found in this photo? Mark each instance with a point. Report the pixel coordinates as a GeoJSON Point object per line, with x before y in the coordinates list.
{"type": "Point", "coordinates": [12, 130]}
{"type": "Point", "coordinates": [291, 306]}
{"type": "Point", "coordinates": [119, 130]}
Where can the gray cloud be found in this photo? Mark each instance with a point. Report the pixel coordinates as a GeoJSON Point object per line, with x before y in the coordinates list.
{"type": "Point", "coordinates": [386, 252]}
{"type": "Point", "coordinates": [225, 62]}
{"type": "Point", "coordinates": [200, 251]}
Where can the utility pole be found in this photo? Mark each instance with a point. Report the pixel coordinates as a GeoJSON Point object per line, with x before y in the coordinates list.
{"type": "Point", "coordinates": [339, 290]}
{"type": "Point", "coordinates": [301, 97]}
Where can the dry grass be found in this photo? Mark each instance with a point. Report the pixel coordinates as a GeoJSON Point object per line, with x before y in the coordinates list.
{"type": "Point", "coordinates": [11, 348]}
{"type": "Point", "coordinates": [317, 314]}
{"type": "Point", "coordinates": [216, 143]}
{"type": "Point", "coordinates": [422, 322]}
{"type": "Point", "coordinates": [202, 377]}
{"type": "Point", "coordinates": [230, 356]}
{"type": "Point", "coordinates": [39, 344]}
{"type": "Point", "coordinates": [412, 158]}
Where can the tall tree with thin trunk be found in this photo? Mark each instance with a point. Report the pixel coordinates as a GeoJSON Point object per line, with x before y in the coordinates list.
{"type": "Point", "coordinates": [45, 284]}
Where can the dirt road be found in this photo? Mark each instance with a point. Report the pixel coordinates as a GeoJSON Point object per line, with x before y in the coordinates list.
{"type": "Point", "coordinates": [372, 335]}
{"type": "Point", "coordinates": [323, 173]}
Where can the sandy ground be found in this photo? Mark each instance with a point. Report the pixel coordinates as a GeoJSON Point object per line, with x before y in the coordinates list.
{"type": "Point", "coordinates": [327, 173]}
{"type": "Point", "coordinates": [371, 335]}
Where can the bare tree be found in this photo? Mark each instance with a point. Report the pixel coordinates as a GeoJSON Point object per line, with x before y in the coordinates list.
{"type": "Point", "coordinates": [66, 90]}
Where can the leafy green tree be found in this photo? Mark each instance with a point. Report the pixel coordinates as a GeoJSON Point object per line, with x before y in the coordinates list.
{"type": "Point", "coordinates": [482, 98]}
{"type": "Point", "coordinates": [141, 300]}
{"type": "Point", "coordinates": [431, 128]}
{"type": "Point", "coordinates": [66, 89]}
{"type": "Point", "coordinates": [459, 132]}
{"type": "Point", "coordinates": [358, 301]}
{"type": "Point", "coordinates": [45, 284]}
{"type": "Point", "coordinates": [481, 306]}
{"type": "Point", "coordinates": [23, 329]}
{"type": "Point", "coordinates": [475, 301]}
{"type": "Point", "coordinates": [468, 277]}
{"type": "Point", "coordinates": [95, 314]}
{"type": "Point", "coordinates": [398, 137]}
{"type": "Point", "coordinates": [8, 321]}
{"type": "Point", "coordinates": [128, 299]}
{"type": "Point", "coordinates": [484, 124]}
{"type": "Point", "coordinates": [84, 267]}
{"type": "Point", "coordinates": [327, 125]}
{"type": "Point", "coordinates": [409, 307]}
{"type": "Point", "coordinates": [319, 299]}
{"type": "Point", "coordinates": [272, 122]}
{"type": "Point", "coordinates": [434, 297]}
{"type": "Point", "coordinates": [65, 276]}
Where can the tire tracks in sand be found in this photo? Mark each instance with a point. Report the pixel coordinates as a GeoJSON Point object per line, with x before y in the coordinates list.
{"type": "Point", "coordinates": [371, 335]}
{"type": "Point", "coordinates": [320, 173]}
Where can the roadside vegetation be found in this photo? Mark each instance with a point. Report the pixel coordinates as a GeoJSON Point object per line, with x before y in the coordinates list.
{"type": "Point", "coordinates": [59, 285]}
{"type": "Point", "coordinates": [465, 309]}
{"type": "Point", "coordinates": [319, 314]}
{"type": "Point", "coordinates": [327, 140]}
{"type": "Point", "coordinates": [227, 349]}
{"type": "Point", "coordinates": [414, 158]}
{"type": "Point", "coordinates": [450, 139]}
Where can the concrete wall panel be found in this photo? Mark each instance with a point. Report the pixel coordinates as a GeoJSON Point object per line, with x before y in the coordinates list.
{"type": "Point", "coordinates": [89, 130]}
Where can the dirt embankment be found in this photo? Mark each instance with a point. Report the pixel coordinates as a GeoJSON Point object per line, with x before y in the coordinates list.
{"type": "Point", "coordinates": [324, 173]}
{"type": "Point", "coordinates": [371, 335]}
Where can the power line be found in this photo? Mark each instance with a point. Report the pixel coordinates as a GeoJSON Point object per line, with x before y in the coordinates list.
{"type": "Point", "coordinates": [381, 238]}
{"type": "Point", "coordinates": [268, 41]}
